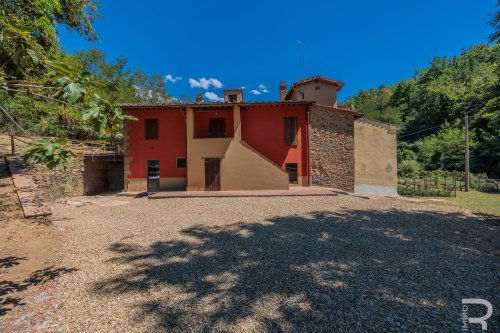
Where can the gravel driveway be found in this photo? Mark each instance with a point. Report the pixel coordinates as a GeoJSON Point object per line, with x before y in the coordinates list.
{"type": "Point", "coordinates": [290, 264]}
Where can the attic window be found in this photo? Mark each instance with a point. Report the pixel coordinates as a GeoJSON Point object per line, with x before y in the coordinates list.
{"type": "Point", "coordinates": [232, 98]}
{"type": "Point", "coordinates": [317, 88]}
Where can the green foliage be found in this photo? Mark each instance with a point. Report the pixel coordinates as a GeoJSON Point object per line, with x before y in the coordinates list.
{"type": "Point", "coordinates": [119, 84]}
{"type": "Point", "coordinates": [430, 108]}
{"type": "Point", "coordinates": [29, 32]}
{"type": "Point", "coordinates": [444, 150]}
{"type": "Point", "coordinates": [409, 168]}
{"type": "Point", "coordinates": [104, 116]}
{"type": "Point", "coordinates": [495, 24]}
{"type": "Point", "coordinates": [423, 192]}
{"type": "Point", "coordinates": [53, 153]}
{"type": "Point", "coordinates": [376, 104]}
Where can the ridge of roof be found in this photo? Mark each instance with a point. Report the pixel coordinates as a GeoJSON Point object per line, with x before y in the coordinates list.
{"type": "Point", "coordinates": [337, 83]}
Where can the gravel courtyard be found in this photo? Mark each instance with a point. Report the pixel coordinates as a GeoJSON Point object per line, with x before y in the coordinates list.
{"type": "Point", "coordinates": [283, 264]}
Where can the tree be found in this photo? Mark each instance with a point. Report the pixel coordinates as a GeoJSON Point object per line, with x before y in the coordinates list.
{"type": "Point", "coordinates": [31, 65]}
{"type": "Point", "coordinates": [438, 96]}
{"type": "Point", "coordinates": [495, 23]}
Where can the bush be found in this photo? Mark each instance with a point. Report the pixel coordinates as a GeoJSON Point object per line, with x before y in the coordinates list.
{"type": "Point", "coordinates": [423, 192]}
{"type": "Point", "coordinates": [409, 168]}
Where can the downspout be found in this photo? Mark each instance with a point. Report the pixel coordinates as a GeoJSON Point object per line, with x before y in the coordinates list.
{"type": "Point", "coordinates": [185, 126]}
{"type": "Point", "coordinates": [309, 145]}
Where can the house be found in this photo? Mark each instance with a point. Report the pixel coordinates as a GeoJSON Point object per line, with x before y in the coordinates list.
{"type": "Point", "coordinates": [303, 139]}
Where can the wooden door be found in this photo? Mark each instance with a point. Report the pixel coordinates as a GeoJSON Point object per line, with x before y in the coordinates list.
{"type": "Point", "coordinates": [212, 174]}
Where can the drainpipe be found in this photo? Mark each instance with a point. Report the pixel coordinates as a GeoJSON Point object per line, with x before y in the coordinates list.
{"type": "Point", "coordinates": [309, 145]}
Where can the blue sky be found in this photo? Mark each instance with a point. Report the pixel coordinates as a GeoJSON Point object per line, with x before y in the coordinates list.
{"type": "Point", "coordinates": [364, 43]}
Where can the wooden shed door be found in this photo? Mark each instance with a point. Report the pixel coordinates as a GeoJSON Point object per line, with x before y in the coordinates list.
{"type": "Point", "coordinates": [212, 174]}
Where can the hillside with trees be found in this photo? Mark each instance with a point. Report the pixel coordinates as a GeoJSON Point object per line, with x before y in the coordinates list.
{"type": "Point", "coordinates": [47, 92]}
{"type": "Point", "coordinates": [430, 108]}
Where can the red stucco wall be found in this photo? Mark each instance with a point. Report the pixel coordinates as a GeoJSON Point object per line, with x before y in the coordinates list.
{"type": "Point", "coordinates": [202, 119]}
{"type": "Point", "coordinates": [262, 127]}
{"type": "Point", "coordinates": [170, 145]}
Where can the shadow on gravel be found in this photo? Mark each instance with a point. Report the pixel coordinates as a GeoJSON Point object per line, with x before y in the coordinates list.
{"type": "Point", "coordinates": [324, 272]}
{"type": "Point", "coordinates": [7, 301]}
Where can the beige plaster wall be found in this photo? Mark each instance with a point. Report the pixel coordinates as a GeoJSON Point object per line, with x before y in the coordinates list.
{"type": "Point", "coordinates": [244, 168]}
{"type": "Point", "coordinates": [325, 95]}
{"type": "Point", "coordinates": [375, 149]}
{"type": "Point", "coordinates": [197, 151]}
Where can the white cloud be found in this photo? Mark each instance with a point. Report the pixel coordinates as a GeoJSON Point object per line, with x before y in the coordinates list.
{"type": "Point", "coordinates": [243, 87]}
{"type": "Point", "coordinates": [211, 96]}
{"type": "Point", "coordinates": [255, 92]}
{"type": "Point", "coordinates": [205, 83]}
{"type": "Point", "coordinates": [171, 78]}
{"type": "Point", "coordinates": [263, 88]}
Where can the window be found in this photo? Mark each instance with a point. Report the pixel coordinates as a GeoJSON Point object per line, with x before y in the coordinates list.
{"type": "Point", "coordinates": [291, 128]}
{"type": "Point", "coordinates": [151, 129]}
{"type": "Point", "coordinates": [291, 169]}
{"type": "Point", "coordinates": [181, 162]}
{"type": "Point", "coordinates": [217, 128]}
{"type": "Point", "coordinates": [232, 98]}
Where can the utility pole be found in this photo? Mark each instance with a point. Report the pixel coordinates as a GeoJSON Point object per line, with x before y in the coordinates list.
{"type": "Point", "coordinates": [467, 177]}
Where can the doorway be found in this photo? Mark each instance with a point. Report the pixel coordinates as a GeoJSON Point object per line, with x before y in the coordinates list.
{"type": "Point", "coordinates": [153, 176]}
{"type": "Point", "coordinates": [217, 128]}
{"type": "Point", "coordinates": [212, 174]}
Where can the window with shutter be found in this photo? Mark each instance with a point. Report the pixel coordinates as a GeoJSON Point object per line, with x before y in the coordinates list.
{"type": "Point", "coordinates": [291, 128]}
{"type": "Point", "coordinates": [152, 129]}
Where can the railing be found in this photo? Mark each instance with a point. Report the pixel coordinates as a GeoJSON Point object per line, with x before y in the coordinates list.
{"type": "Point", "coordinates": [445, 184]}
{"type": "Point", "coordinates": [79, 147]}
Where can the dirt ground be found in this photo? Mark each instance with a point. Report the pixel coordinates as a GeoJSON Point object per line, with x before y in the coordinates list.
{"type": "Point", "coordinates": [29, 254]}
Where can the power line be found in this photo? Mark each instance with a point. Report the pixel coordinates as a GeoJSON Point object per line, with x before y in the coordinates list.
{"type": "Point", "coordinates": [429, 128]}
{"type": "Point", "coordinates": [425, 129]}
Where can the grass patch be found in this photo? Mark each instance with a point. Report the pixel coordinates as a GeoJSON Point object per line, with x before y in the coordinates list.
{"type": "Point", "coordinates": [477, 202]}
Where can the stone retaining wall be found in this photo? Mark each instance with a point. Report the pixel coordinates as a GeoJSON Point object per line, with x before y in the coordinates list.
{"type": "Point", "coordinates": [332, 148]}
{"type": "Point", "coordinates": [54, 184]}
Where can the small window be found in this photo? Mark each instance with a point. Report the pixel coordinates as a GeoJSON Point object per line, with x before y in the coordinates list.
{"type": "Point", "coordinates": [291, 128]}
{"type": "Point", "coordinates": [217, 128]}
{"type": "Point", "coordinates": [291, 169]}
{"type": "Point", "coordinates": [232, 98]}
{"type": "Point", "coordinates": [181, 162]}
{"type": "Point", "coordinates": [151, 129]}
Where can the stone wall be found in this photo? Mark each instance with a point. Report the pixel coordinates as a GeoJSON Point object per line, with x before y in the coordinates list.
{"type": "Point", "coordinates": [332, 147]}
{"type": "Point", "coordinates": [54, 184]}
{"type": "Point", "coordinates": [102, 176]}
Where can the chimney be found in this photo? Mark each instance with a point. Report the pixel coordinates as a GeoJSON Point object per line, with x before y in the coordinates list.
{"type": "Point", "coordinates": [199, 98]}
{"type": "Point", "coordinates": [282, 90]}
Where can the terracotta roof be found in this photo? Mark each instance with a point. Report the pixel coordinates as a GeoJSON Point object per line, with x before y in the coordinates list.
{"type": "Point", "coordinates": [211, 104]}
{"type": "Point", "coordinates": [339, 84]}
